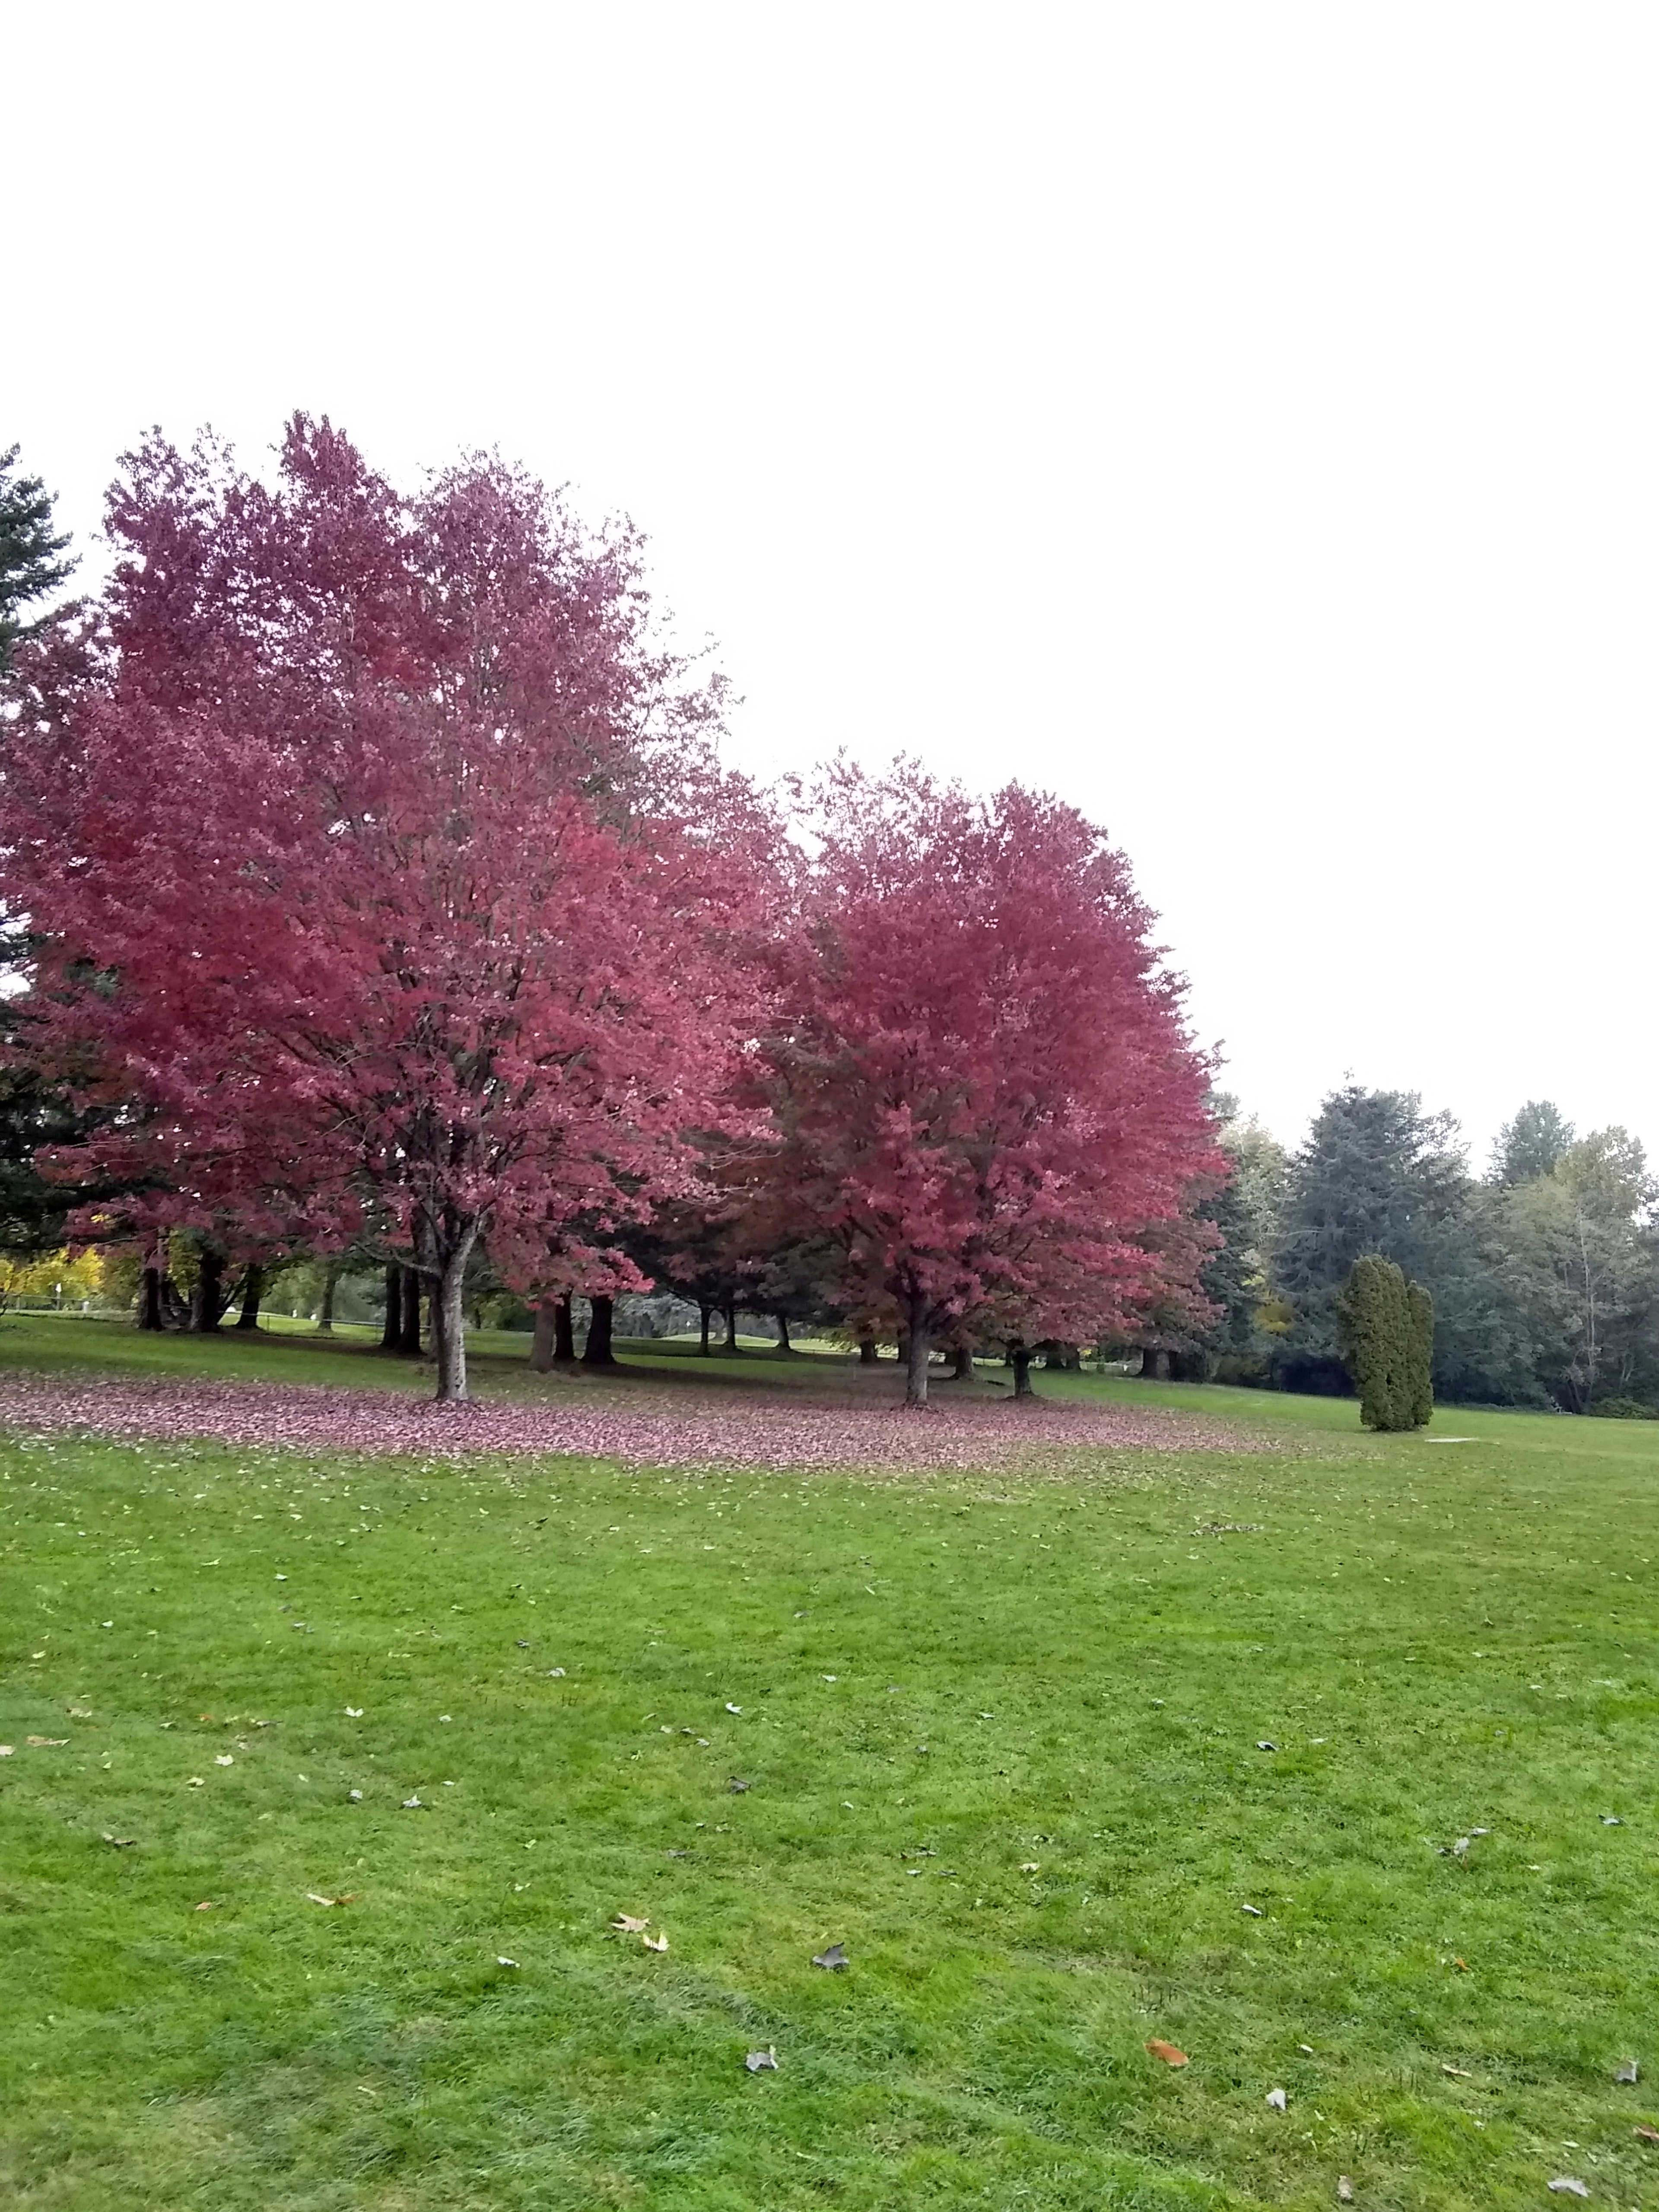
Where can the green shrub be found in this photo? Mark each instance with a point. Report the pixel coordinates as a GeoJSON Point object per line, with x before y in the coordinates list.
{"type": "Point", "coordinates": [1387, 1328]}
{"type": "Point", "coordinates": [1623, 1409]}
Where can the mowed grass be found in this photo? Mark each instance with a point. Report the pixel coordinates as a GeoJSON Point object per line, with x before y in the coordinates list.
{"type": "Point", "coordinates": [1001, 1738]}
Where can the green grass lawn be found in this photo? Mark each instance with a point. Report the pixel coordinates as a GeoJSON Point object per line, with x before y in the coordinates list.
{"type": "Point", "coordinates": [1001, 1739]}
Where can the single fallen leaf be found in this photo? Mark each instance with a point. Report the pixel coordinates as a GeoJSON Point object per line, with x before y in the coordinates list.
{"type": "Point", "coordinates": [1344, 2189]}
{"type": "Point", "coordinates": [1029, 1865]}
{"type": "Point", "coordinates": [1648, 2135]}
{"type": "Point", "coordinates": [1630, 2071]}
{"type": "Point", "coordinates": [353, 1712]}
{"type": "Point", "coordinates": [762, 2062]}
{"type": "Point", "coordinates": [1608, 1820]}
{"type": "Point", "coordinates": [505, 1962]}
{"type": "Point", "coordinates": [523, 1643]}
{"type": "Point", "coordinates": [626, 1924]}
{"type": "Point", "coordinates": [206, 1905]}
{"type": "Point", "coordinates": [556, 1673]}
{"type": "Point", "coordinates": [1255, 1911]}
{"type": "Point", "coordinates": [47, 1742]}
{"type": "Point", "coordinates": [835, 1958]}
{"type": "Point", "coordinates": [736, 1787]}
{"type": "Point", "coordinates": [1170, 2053]}
{"type": "Point", "coordinates": [1569, 2184]}
{"type": "Point", "coordinates": [355, 1797]}
{"type": "Point", "coordinates": [413, 1805]}
{"type": "Point", "coordinates": [654, 1942]}
{"type": "Point", "coordinates": [1278, 2100]}
{"type": "Point", "coordinates": [225, 1758]}
{"type": "Point", "coordinates": [121, 1843]}
{"type": "Point", "coordinates": [346, 1897]}
{"type": "Point", "coordinates": [1459, 2073]}
{"type": "Point", "coordinates": [1462, 1965]}
{"type": "Point", "coordinates": [1267, 1746]}
{"type": "Point", "coordinates": [7, 1750]}
{"type": "Point", "coordinates": [734, 1708]}
{"type": "Point", "coordinates": [195, 1782]}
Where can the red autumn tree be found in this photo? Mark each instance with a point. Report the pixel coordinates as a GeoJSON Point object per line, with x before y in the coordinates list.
{"type": "Point", "coordinates": [378, 837]}
{"type": "Point", "coordinates": [984, 1088]}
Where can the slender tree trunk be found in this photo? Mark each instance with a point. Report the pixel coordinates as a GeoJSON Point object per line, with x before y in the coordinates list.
{"type": "Point", "coordinates": [730, 1312]}
{"type": "Point", "coordinates": [449, 1329]}
{"type": "Point", "coordinates": [866, 1351]}
{"type": "Point", "coordinates": [596, 1351]}
{"type": "Point", "coordinates": [784, 1345]}
{"type": "Point", "coordinates": [704, 1314]}
{"type": "Point", "coordinates": [916, 1350]}
{"type": "Point", "coordinates": [541, 1353]}
{"type": "Point", "coordinates": [392, 1332]}
{"type": "Point", "coordinates": [253, 1284]}
{"type": "Point", "coordinates": [963, 1368]}
{"type": "Point", "coordinates": [207, 1302]}
{"type": "Point", "coordinates": [152, 1308]}
{"type": "Point", "coordinates": [564, 1332]}
{"type": "Point", "coordinates": [409, 1327]}
{"type": "Point", "coordinates": [325, 1303]}
{"type": "Point", "coordinates": [1019, 1358]}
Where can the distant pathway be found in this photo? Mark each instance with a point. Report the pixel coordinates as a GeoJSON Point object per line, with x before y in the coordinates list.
{"type": "Point", "coordinates": [670, 1429]}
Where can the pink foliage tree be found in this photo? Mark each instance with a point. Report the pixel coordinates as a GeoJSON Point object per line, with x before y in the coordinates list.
{"type": "Point", "coordinates": [374, 845]}
{"type": "Point", "coordinates": [984, 1088]}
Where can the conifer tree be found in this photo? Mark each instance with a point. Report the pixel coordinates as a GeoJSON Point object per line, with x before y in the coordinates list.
{"type": "Point", "coordinates": [1386, 1329]}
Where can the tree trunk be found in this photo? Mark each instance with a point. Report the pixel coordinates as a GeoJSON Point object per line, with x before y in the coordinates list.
{"type": "Point", "coordinates": [207, 1300]}
{"type": "Point", "coordinates": [408, 1327]}
{"type": "Point", "coordinates": [784, 1345]}
{"type": "Point", "coordinates": [705, 1313]}
{"type": "Point", "coordinates": [152, 1309]}
{"type": "Point", "coordinates": [916, 1351]}
{"type": "Point", "coordinates": [449, 1328]}
{"type": "Point", "coordinates": [564, 1332]}
{"type": "Point", "coordinates": [1019, 1358]}
{"type": "Point", "coordinates": [596, 1351]}
{"type": "Point", "coordinates": [1154, 1366]}
{"type": "Point", "coordinates": [325, 1303]}
{"type": "Point", "coordinates": [962, 1370]}
{"type": "Point", "coordinates": [392, 1331]}
{"type": "Point", "coordinates": [866, 1351]}
{"type": "Point", "coordinates": [730, 1312]}
{"type": "Point", "coordinates": [542, 1351]}
{"type": "Point", "coordinates": [253, 1284]}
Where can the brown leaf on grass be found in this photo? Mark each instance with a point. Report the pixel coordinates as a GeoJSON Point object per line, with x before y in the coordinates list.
{"type": "Point", "coordinates": [762, 2062]}
{"type": "Point", "coordinates": [1648, 2135]}
{"type": "Point", "coordinates": [7, 1750]}
{"type": "Point", "coordinates": [1568, 2185]}
{"type": "Point", "coordinates": [346, 1897]}
{"type": "Point", "coordinates": [122, 1843]}
{"type": "Point", "coordinates": [1461, 2073]}
{"type": "Point", "coordinates": [626, 1924]}
{"type": "Point", "coordinates": [1344, 2189]}
{"type": "Point", "coordinates": [736, 1787]}
{"type": "Point", "coordinates": [1170, 2053]}
{"type": "Point", "coordinates": [206, 1905]}
{"type": "Point", "coordinates": [47, 1742]}
{"type": "Point", "coordinates": [835, 1958]}
{"type": "Point", "coordinates": [654, 1942]}
{"type": "Point", "coordinates": [1278, 2100]}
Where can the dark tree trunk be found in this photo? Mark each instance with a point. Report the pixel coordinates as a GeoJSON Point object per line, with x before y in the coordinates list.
{"type": "Point", "coordinates": [253, 1284]}
{"type": "Point", "coordinates": [705, 1314]}
{"type": "Point", "coordinates": [1019, 1358]}
{"type": "Point", "coordinates": [729, 1311]}
{"type": "Point", "coordinates": [962, 1368]}
{"type": "Point", "coordinates": [784, 1345]}
{"type": "Point", "coordinates": [916, 1350]}
{"type": "Point", "coordinates": [564, 1332]}
{"type": "Point", "coordinates": [152, 1307]}
{"type": "Point", "coordinates": [1154, 1366]}
{"type": "Point", "coordinates": [449, 1330]}
{"type": "Point", "coordinates": [596, 1351]}
{"type": "Point", "coordinates": [325, 1303]}
{"type": "Point", "coordinates": [542, 1354]}
{"type": "Point", "coordinates": [391, 1331]}
{"type": "Point", "coordinates": [207, 1300]}
{"type": "Point", "coordinates": [409, 1327]}
{"type": "Point", "coordinates": [903, 1352]}
{"type": "Point", "coordinates": [866, 1351]}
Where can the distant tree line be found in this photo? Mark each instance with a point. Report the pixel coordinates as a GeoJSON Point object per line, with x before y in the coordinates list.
{"type": "Point", "coordinates": [1544, 1271]}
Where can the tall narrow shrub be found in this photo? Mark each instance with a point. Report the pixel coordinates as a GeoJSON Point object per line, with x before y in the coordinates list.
{"type": "Point", "coordinates": [1387, 1328]}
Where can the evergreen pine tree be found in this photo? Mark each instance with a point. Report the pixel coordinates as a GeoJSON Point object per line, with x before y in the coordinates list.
{"type": "Point", "coordinates": [29, 563]}
{"type": "Point", "coordinates": [1386, 1325]}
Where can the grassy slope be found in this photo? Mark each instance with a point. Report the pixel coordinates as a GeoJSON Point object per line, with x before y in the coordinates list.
{"type": "Point", "coordinates": [1089, 1678]}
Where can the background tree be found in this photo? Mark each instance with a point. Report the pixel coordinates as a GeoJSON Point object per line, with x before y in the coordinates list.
{"type": "Point", "coordinates": [1533, 1144]}
{"type": "Point", "coordinates": [980, 1079]}
{"type": "Point", "coordinates": [1385, 1326]}
{"type": "Point", "coordinates": [31, 552]}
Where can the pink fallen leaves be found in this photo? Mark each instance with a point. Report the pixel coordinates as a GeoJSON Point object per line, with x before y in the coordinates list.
{"type": "Point", "coordinates": [667, 1433]}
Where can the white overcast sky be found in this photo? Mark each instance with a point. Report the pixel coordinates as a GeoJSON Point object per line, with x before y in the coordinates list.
{"type": "Point", "coordinates": [1240, 419]}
